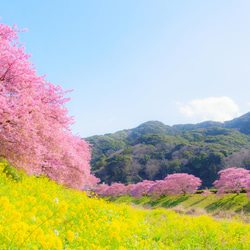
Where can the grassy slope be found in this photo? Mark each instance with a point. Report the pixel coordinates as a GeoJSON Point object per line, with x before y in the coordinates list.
{"type": "Point", "coordinates": [217, 206]}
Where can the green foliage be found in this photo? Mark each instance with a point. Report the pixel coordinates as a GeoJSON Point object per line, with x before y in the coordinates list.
{"type": "Point", "coordinates": [10, 171]}
{"type": "Point", "coordinates": [246, 163]}
{"type": "Point", "coordinates": [156, 150]}
{"type": "Point", "coordinates": [127, 151]}
{"type": "Point", "coordinates": [151, 139]}
{"type": "Point", "coordinates": [104, 144]}
{"type": "Point", "coordinates": [151, 127]}
{"type": "Point", "coordinates": [99, 163]}
{"type": "Point", "coordinates": [240, 123]}
{"type": "Point", "coordinates": [211, 203]}
{"type": "Point", "coordinates": [193, 136]}
{"type": "Point", "coordinates": [145, 159]}
{"type": "Point", "coordinates": [199, 191]}
{"type": "Point", "coordinates": [188, 127]}
{"type": "Point", "coordinates": [213, 190]}
{"type": "Point", "coordinates": [174, 167]}
{"type": "Point", "coordinates": [117, 169]}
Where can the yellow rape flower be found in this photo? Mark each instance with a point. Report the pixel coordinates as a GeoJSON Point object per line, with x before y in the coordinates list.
{"type": "Point", "coordinates": [70, 235]}
{"type": "Point", "coordinates": [63, 207]}
{"type": "Point", "coordinates": [50, 213]}
{"type": "Point", "coordinates": [44, 196]}
{"type": "Point", "coordinates": [14, 193]}
{"type": "Point", "coordinates": [58, 221]}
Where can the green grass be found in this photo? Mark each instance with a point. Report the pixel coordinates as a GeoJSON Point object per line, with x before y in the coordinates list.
{"type": "Point", "coordinates": [212, 204]}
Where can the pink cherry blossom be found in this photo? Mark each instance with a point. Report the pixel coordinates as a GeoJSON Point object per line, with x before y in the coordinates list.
{"type": "Point", "coordinates": [35, 130]}
{"type": "Point", "coordinates": [115, 190]}
{"type": "Point", "coordinates": [182, 183]}
{"type": "Point", "coordinates": [141, 188]}
{"type": "Point", "coordinates": [231, 180]}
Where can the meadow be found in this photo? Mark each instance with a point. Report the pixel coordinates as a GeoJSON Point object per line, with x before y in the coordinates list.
{"type": "Point", "coordinates": [37, 213]}
{"type": "Point", "coordinates": [224, 206]}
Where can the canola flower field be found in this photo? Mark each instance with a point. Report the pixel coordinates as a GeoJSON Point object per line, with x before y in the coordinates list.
{"type": "Point", "coordinates": [36, 213]}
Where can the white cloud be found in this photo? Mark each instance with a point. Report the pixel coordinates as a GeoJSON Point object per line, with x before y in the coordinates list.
{"type": "Point", "coordinates": [212, 108]}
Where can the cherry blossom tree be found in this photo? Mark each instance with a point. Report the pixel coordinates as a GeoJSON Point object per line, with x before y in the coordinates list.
{"type": "Point", "coordinates": [246, 185]}
{"type": "Point", "coordinates": [159, 188]}
{"type": "Point", "coordinates": [115, 190]}
{"type": "Point", "coordinates": [142, 188]}
{"type": "Point", "coordinates": [35, 130]}
{"type": "Point", "coordinates": [128, 188]}
{"type": "Point", "coordinates": [100, 190]}
{"type": "Point", "coordinates": [182, 183]}
{"type": "Point", "coordinates": [232, 180]}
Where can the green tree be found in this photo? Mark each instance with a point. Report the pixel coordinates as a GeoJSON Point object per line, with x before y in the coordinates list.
{"type": "Point", "coordinates": [118, 168]}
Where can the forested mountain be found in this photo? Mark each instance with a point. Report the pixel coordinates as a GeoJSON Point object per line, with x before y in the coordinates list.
{"type": "Point", "coordinates": [153, 150]}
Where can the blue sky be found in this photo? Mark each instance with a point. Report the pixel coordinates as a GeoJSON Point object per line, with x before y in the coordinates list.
{"type": "Point", "coordinates": [137, 60]}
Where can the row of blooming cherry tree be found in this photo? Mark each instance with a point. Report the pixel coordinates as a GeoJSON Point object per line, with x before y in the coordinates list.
{"type": "Point", "coordinates": [232, 180]}
{"type": "Point", "coordinates": [35, 130]}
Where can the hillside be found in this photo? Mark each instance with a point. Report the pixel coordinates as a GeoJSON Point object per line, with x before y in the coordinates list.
{"type": "Point", "coordinates": [224, 206]}
{"type": "Point", "coordinates": [152, 150]}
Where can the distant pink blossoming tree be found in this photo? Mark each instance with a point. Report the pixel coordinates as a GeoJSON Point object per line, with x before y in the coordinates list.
{"type": "Point", "coordinates": [142, 188]}
{"type": "Point", "coordinates": [246, 185]}
{"type": "Point", "coordinates": [100, 190]}
{"type": "Point", "coordinates": [115, 190]}
{"type": "Point", "coordinates": [182, 183]}
{"type": "Point", "coordinates": [128, 188]}
{"type": "Point", "coordinates": [159, 188]}
{"type": "Point", "coordinates": [232, 180]}
{"type": "Point", "coordinates": [35, 130]}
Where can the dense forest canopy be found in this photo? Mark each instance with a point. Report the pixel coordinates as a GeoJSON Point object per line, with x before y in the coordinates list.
{"type": "Point", "coordinates": [153, 150]}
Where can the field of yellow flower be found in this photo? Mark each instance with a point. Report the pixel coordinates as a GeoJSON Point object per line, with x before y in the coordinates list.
{"type": "Point", "coordinates": [36, 213]}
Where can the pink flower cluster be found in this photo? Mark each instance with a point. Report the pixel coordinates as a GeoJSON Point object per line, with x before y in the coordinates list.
{"type": "Point", "coordinates": [232, 180]}
{"type": "Point", "coordinates": [173, 184]}
{"type": "Point", "coordinates": [34, 127]}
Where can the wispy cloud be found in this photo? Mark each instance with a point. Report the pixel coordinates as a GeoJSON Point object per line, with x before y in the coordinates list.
{"type": "Point", "coordinates": [212, 108]}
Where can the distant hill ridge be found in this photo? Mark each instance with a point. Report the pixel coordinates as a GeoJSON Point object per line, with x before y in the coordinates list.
{"type": "Point", "coordinates": [241, 124]}
{"type": "Point", "coordinates": [152, 150]}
